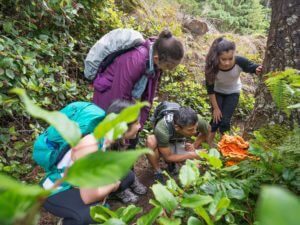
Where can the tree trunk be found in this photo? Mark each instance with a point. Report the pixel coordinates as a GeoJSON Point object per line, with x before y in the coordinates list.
{"type": "Point", "coordinates": [283, 51]}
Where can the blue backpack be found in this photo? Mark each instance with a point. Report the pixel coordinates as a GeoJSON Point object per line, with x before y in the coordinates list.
{"type": "Point", "coordinates": [49, 148]}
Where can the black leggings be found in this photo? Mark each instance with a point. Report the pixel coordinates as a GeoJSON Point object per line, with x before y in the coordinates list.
{"type": "Point", "coordinates": [227, 105]}
{"type": "Point", "coordinates": [69, 205]}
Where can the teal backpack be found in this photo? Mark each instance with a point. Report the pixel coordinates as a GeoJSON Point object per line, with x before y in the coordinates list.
{"type": "Point", "coordinates": [49, 148]}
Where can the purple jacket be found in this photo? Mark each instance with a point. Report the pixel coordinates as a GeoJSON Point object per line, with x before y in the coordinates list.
{"type": "Point", "coordinates": [118, 80]}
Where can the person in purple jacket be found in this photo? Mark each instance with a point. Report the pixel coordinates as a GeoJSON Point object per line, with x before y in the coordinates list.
{"type": "Point", "coordinates": [134, 75]}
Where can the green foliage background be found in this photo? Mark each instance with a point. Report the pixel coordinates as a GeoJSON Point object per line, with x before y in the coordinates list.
{"type": "Point", "coordinates": [239, 16]}
{"type": "Point", "coordinates": [42, 48]}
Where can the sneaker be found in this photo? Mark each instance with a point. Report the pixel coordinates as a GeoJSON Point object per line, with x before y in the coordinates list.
{"type": "Point", "coordinates": [138, 187]}
{"type": "Point", "coordinates": [159, 177]}
{"type": "Point", "coordinates": [127, 196]}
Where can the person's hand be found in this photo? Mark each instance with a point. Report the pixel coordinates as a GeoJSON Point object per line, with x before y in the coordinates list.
{"type": "Point", "coordinates": [189, 147]}
{"type": "Point", "coordinates": [217, 115]}
{"type": "Point", "coordinates": [193, 155]}
{"type": "Point", "coordinates": [259, 69]}
{"type": "Point", "coordinates": [201, 150]}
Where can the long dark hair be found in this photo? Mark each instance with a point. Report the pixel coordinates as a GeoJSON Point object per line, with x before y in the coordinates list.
{"type": "Point", "coordinates": [212, 59]}
{"type": "Point", "coordinates": [167, 47]}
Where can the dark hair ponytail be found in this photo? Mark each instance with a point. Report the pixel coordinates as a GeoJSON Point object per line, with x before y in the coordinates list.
{"type": "Point", "coordinates": [168, 47]}
{"type": "Point", "coordinates": [165, 34]}
{"type": "Point", "coordinates": [218, 46]}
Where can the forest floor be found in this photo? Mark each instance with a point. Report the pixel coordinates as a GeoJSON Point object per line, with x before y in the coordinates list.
{"type": "Point", "coordinates": [145, 175]}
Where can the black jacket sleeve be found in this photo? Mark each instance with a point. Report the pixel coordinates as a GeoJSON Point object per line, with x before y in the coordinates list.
{"type": "Point", "coordinates": [246, 65]}
{"type": "Point", "coordinates": [210, 88]}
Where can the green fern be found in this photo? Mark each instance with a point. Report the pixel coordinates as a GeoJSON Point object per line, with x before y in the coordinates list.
{"type": "Point", "coordinates": [231, 187]}
{"type": "Point", "coordinates": [280, 165]}
{"type": "Point", "coordinates": [284, 88]}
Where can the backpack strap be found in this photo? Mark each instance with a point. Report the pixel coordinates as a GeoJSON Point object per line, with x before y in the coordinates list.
{"type": "Point", "coordinates": [170, 126]}
{"type": "Point", "coordinates": [111, 57]}
{"type": "Point", "coordinates": [169, 123]}
{"type": "Point", "coordinates": [141, 84]}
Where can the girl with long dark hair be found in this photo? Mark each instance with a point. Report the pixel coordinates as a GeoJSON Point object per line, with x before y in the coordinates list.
{"type": "Point", "coordinates": [222, 74]}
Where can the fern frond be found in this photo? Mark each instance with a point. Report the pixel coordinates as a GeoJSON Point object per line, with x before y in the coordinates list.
{"type": "Point", "coordinates": [282, 88]}
{"type": "Point", "coordinates": [231, 187]}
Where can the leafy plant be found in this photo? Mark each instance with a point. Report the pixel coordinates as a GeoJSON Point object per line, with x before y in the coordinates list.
{"type": "Point", "coordinates": [219, 196]}
{"type": "Point", "coordinates": [20, 202]}
{"type": "Point", "coordinates": [277, 206]}
{"type": "Point", "coordinates": [278, 164]}
{"type": "Point", "coordinates": [245, 105]}
{"type": "Point", "coordinates": [238, 16]}
{"type": "Point", "coordinates": [68, 129]}
{"type": "Point", "coordinates": [191, 199]}
{"type": "Point", "coordinates": [177, 87]}
{"type": "Point", "coordinates": [285, 88]}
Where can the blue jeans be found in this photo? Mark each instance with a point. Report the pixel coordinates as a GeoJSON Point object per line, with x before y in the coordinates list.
{"type": "Point", "coordinates": [227, 104]}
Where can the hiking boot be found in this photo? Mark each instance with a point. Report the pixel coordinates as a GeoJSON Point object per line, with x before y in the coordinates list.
{"type": "Point", "coordinates": [127, 196]}
{"type": "Point", "coordinates": [159, 177]}
{"type": "Point", "coordinates": [138, 187]}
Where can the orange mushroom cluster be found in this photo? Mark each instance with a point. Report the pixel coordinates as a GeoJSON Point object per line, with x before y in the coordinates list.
{"type": "Point", "coordinates": [234, 148]}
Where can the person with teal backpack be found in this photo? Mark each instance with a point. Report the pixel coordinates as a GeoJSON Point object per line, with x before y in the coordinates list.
{"type": "Point", "coordinates": [50, 147]}
{"type": "Point", "coordinates": [53, 154]}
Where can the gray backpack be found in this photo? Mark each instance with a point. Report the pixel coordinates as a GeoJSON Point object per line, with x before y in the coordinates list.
{"type": "Point", "coordinates": [111, 45]}
{"type": "Point", "coordinates": [164, 109]}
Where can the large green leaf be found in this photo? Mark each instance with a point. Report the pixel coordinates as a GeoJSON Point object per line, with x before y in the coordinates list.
{"type": "Point", "coordinates": [187, 175]}
{"type": "Point", "coordinates": [168, 221]}
{"type": "Point", "coordinates": [114, 221]}
{"type": "Point", "coordinates": [19, 202]}
{"type": "Point", "coordinates": [149, 218]}
{"type": "Point", "coordinates": [117, 132]}
{"type": "Point", "coordinates": [68, 129]}
{"type": "Point", "coordinates": [16, 208]}
{"type": "Point", "coordinates": [222, 208]}
{"type": "Point", "coordinates": [129, 213]}
{"type": "Point", "coordinates": [194, 221]}
{"type": "Point", "coordinates": [112, 121]}
{"type": "Point", "coordinates": [9, 184]}
{"type": "Point", "coordinates": [193, 201]}
{"type": "Point", "coordinates": [100, 213]}
{"type": "Point", "coordinates": [200, 211]}
{"type": "Point", "coordinates": [212, 159]}
{"type": "Point", "coordinates": [164, 197]}
{"type": "Point", "coordinates": [102, 168]}
{"type": "Point", "coordinates": [277, 206]}
{"type": "Point", "coordinates": [172, 186]}
{"type": "Point", "coordinates": [219, 206]}
{"type": "Point", "coordinates": [214, 152]}
{"type": "Point", "coordinates": [236, 193]}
